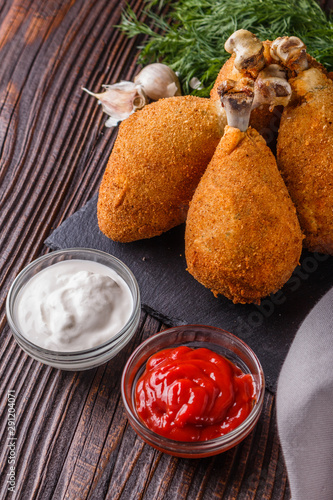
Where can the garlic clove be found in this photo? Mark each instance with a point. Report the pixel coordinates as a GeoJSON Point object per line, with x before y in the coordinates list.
{"type": "Point", "coordinates": [158, 81]}
{"type": "Point", "coordinates": [120, 100]}
{"type": "Point", "coordinates": [111, 122]}
{"type": "Point", "coordinates": [195, 83]}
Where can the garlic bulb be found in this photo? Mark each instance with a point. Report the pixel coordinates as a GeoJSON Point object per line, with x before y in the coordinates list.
{"type": "Point", "coordinates": [120, 100]}
{"type": "Point", "coordinates": [158, 81]}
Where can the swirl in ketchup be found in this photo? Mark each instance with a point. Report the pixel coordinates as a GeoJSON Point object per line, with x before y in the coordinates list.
{"type": "Point", "coordinates": [190, 394]}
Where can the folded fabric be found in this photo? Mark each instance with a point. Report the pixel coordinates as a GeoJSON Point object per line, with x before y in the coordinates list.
{"type": "Point", "coordinates": [305, 406]}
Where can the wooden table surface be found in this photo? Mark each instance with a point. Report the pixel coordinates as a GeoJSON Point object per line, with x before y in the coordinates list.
{"type": "Point", "coordinates": [72, 438]}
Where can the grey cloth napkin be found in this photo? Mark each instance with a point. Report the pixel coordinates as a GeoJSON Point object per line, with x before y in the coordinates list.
{"type": "Point", "coordinates": [305, 406]}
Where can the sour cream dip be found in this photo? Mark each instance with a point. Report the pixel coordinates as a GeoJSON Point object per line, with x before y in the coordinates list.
{"type": "Point", "coordinates": [73, 305]}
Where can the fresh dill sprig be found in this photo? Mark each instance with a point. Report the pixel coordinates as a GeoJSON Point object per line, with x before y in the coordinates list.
{"type": "Point", "coordinates": [190, 37]}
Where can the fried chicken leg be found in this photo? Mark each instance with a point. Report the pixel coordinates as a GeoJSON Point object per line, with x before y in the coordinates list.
{"type": "Point", "coordinates": [305, 144]}
{"type": "Point", "coordinates": [242, 238]}
{"type": "Point", "coordinates": [248, 57]}
{"type": "Point", "coordinates": [157, 161]}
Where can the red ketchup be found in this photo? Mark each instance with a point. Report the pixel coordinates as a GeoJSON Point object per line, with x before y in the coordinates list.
{"type": "Point", "coordinates": [193, 394]}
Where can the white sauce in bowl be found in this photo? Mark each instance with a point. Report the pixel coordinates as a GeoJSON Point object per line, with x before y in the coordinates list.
{"type": "Point", "coordinates": [73, 305]}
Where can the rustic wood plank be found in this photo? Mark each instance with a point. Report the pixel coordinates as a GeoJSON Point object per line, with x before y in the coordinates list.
{"type": "Point", "coordinates": [91, 442]}
{"type": "Point", "coordinates": [56, 136]}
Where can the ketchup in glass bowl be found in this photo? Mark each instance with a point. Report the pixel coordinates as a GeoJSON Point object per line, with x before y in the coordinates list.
{"type": "Point", "coordinates": [193, 391]}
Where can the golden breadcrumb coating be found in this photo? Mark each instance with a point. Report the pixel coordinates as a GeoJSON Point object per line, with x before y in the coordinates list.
{"type": "Point", "coordinates": [157, 161]}
{"type": "Point", "coordinates": [305, 156]}
{"type": "Point", "coordinates": [242, 237]}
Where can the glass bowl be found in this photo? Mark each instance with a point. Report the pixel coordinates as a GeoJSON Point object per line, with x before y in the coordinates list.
{"type": "Point", "coordinates": [216, 339]}
{"type": "Point", "coordinates": [83, 359]}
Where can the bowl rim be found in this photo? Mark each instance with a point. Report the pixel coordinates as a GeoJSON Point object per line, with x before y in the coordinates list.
{"type": "Point", "coordinates": [72, 355]}
{"type": "Point", "coordinates": [221, 443]}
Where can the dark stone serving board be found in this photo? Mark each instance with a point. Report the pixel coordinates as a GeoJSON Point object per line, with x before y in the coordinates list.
{"type": "Point", "coordinates": [171, 294]}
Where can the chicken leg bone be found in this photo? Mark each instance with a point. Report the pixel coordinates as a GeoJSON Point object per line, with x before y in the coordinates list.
{"type": "Point", "coordinates": [271, 87]}
{"type": "Point", "coordinates": [240, 97]}
{"type": "Point", "coordinates": [291, 52]}
{"type": "Point", "coordinates": [249, 52]}
{"type": "Point", "coordinates": [237, 98]}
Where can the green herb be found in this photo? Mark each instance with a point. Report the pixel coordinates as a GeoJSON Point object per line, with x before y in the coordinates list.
{"type": "Point", "coordinates": [190, 37]}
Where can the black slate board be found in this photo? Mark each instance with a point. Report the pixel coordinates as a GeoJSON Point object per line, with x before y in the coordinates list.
{"type": "Point", "coordinates": [171, 294]}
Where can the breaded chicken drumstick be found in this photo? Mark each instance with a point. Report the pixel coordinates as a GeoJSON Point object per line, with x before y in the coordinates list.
{"type": "Point", "coordinates": [157, 161]}
{"type": "Point", "coordinates": [305, 143]}
{"type": "Point", "coordinates": [243, 238]}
